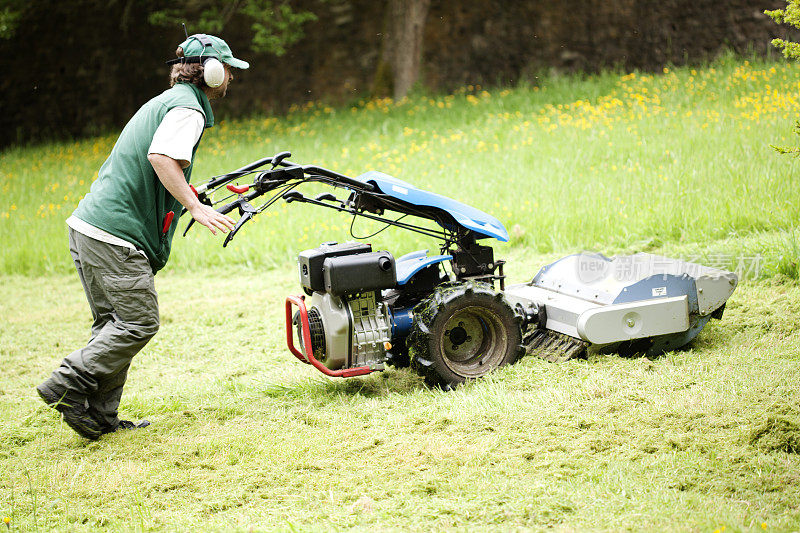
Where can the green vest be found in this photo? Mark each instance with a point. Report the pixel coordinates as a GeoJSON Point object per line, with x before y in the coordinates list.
{"type": "Point", "coordinates": [127, 199]}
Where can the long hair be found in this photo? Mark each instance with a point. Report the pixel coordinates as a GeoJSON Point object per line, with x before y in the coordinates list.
{"type": "Point", "coordinates": [186, 72]}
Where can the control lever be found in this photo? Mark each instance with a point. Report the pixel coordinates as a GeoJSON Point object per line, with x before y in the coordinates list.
{"type": "Point", "coordinates": [326, 196]}
{"type": "Point", "coordinates": [247, 212]}
{"type": "Point", "coordinates": [238, 189]}
{"type": "Point", "coordinates": [293, 196]}
{"type": "Point", "coordinates": [277, 158]}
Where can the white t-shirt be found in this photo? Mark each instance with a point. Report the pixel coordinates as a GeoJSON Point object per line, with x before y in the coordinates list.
{"type": "Point", "coordinates": [179, 131]}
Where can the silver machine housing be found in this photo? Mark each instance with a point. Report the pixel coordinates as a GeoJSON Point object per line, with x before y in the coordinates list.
{"type": "Point", "coordinates": [605, 301]}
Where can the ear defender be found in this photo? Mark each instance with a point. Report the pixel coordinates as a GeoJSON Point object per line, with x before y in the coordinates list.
{"type": "Point", "coordinates": [213, 72]}
{"type": "Point", "coordinates": [213, 69]}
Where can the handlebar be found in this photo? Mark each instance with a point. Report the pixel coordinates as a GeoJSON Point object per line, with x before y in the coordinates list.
{"type": "Point", "coordinates": [282, 171]}
{"type": "Point", "coordinates": [230, 176]}
{"type": "Point", "coordinates": [281, 160]}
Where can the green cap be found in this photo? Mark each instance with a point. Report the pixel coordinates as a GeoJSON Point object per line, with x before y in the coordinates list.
{"type": "Point", "coordinates": [204, 45]}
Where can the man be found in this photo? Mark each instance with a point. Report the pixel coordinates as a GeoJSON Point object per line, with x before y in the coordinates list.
{"type": "Point", "coordinates": [121, 233]}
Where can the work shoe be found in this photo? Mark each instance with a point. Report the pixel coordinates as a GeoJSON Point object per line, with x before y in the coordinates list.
{"type": "Point", "coordinates": [127, 424]}
{"type": "Point", "coordinates": [73, 411]}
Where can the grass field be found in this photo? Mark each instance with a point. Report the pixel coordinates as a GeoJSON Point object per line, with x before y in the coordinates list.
{"type": "Point", "coordinates": [246, 438]}
{"type": "Point", "coordinates": [607, 162]}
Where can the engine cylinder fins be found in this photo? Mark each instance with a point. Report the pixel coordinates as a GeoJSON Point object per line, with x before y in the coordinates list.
{"type": "Point", "coordinates": [461, 332]}
{"type": "Point", "coordinates": [316, 332]}
{"type": "Point", "coordinates": [553, 346]}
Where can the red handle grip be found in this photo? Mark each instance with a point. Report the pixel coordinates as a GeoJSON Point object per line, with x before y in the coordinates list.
{"type": "Point", "coordinates": [167, 222]}
{"type": "Point", "coordinates": [238, 189]}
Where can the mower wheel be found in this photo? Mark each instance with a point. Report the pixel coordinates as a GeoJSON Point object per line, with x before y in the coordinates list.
{"type": "Point", "coordinates": [463, 331]}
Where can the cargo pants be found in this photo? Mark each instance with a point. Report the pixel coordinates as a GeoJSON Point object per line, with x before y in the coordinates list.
{"type": "Point", "coordinates": [119, 286]}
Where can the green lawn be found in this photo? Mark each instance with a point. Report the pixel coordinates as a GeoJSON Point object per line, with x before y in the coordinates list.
{"type": "Point", "coordinates": [607, 162]}
{"type": "Point", "coordinates": [245, 437]}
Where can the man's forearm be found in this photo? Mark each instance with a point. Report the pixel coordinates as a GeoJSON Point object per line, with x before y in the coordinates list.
{"type": "Point", "coordinates": [170, 174]}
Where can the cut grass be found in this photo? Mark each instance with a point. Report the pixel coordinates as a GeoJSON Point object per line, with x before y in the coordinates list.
{"type": "Point", "coordinates": [247, 438]}
{"type": "Point", "coordinates": [244, 436]}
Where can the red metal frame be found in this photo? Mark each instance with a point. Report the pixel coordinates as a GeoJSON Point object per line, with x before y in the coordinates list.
{"type": "Point", "coordinates": [308, 357]}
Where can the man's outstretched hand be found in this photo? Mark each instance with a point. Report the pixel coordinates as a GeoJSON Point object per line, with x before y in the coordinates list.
{"type": "Point", "coordinates": [210, 218]}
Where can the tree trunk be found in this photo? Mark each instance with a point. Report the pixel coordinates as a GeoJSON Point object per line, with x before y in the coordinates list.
{"type": "Point", "coordinates": [407, 23]}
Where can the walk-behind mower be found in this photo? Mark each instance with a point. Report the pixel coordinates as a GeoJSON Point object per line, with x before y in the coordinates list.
{"type": "Point", "coordinates": [450, 315]}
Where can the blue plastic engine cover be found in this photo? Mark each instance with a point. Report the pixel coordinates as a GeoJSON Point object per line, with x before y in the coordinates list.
{"type": "Point", "coordinates": [482, 224]}
{"type": "Point", "coordinates": [411, 263]}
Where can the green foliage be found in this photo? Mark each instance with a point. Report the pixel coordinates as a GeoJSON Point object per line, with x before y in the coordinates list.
{"type": "Point", "coordinates": [790, 16]}
{"type": "Point", "coordinates": [795, 151]}
{"type": "Point", "coordinates": [10, 14]}
{"type": "Point", "coordinates": [791, 50]}
{"type": "Point", "coordinates": [275, 24]}
{"type": "Point", "coordinates": [275, 32]}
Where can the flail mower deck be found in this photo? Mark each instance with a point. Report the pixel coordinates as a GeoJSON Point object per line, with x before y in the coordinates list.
{"type": "Point", "coordinates": [363, 308]}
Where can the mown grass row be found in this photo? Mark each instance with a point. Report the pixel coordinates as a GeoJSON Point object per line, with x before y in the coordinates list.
{"type": "Point", "coordinates": [246, 438]}
{"type": "Point", "coordinates": [602, 162]}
